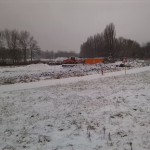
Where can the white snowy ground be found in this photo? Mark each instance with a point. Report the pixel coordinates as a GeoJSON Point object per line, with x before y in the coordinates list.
{"type": "Point", "coordinates": [109, 112]}
{"type": "Point", "coordinates": [36, 72]}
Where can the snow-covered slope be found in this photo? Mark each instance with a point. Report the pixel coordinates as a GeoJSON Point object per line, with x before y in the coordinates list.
{"type": "Point", "coordinates": [36, 72]}
{"type": "Point", "coordinates": [109, 112]}
{"type": "Point", "coordinates": [43, 83]}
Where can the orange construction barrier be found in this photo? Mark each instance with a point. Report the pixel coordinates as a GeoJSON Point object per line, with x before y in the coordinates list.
{"type": "Point", "coordinates": [94, 60]}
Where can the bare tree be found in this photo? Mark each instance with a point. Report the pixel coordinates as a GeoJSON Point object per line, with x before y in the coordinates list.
{"type": "Point", "coordinates": [28, 45]}
{"type": "Point", "coordinates": [11, 43]}
{"type": "Point", "coordinates": [146, 50]}
{"type": "Point", "coordinates": [109, 36]}
{"type": "Point", "coordinates": [1, 39]}
{"type": "Point", "coordinates": [34, 48]}
{"type": "Point", "coordinates": [3, 53]}
{"type": "Point", "coordinates": [100, 44]}
{"type": "Point", "coordinates": [25, 40]}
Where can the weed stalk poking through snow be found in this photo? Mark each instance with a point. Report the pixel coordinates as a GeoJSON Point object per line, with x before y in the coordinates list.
{"type": "Point", "coordinates": [104, 129]}
{"type": "Point", "coordinates": [109, 137]}
{"type": "Point", "coordinates": [130, 145]}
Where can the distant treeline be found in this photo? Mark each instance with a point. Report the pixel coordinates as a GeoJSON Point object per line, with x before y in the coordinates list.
{"type": "Point", "coordinates": [106, 44]}
{"type": "Point", "coordinates": [21, 48]}
{"type": "Point", "coordinates": [17, 46]}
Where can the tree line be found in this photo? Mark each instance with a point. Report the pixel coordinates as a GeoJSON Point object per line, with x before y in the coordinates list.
{"type": "Point", "coordinates": [17, 46]}
{"type": "Point", "coordinates": [21, 48]}
{"type": "Point", "coordinates": [106, 44]}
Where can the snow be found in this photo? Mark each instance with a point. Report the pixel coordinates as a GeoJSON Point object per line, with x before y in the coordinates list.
{"type": "Point", "coordinates": [43, 83]}
{"type": "Point", "coordinates": [108, 112]}
{"type": "Point", "coordinates": [36, 72]}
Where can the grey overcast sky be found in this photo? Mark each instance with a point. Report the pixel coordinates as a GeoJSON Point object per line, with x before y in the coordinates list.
{"type": "Point", "coordinates": [66, 24]}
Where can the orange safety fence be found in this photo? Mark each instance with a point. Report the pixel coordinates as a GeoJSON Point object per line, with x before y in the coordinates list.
{"type": "Point", "coordinates": [94, 60]}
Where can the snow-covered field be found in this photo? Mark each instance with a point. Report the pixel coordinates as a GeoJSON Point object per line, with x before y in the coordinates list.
{"type": "Point", "coordinates": [36, 72]}
{"type": "Point", "coordinates": [109, 112]}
